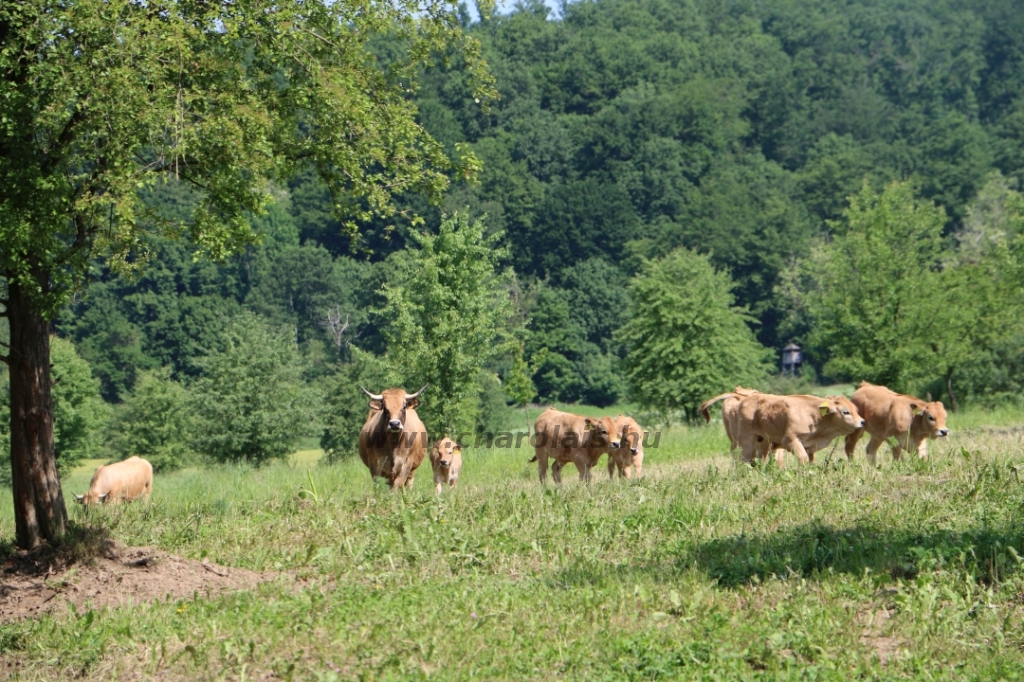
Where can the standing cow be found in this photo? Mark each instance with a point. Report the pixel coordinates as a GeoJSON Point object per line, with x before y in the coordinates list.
{"type": "Point", "coordinates": [446, 460]}
{"type": "Point", "coordinates": [627, 449]}
{"type": "Point", "coordinates": [889, 414]}
{"type": "Point", "coordinates": [120, 482]}
{"type": "Point", "coordinates": [566, 437]}
{"type": "Point", "coordinates": [393, 440]}
{"type": "Point", "coordinates": [802, 424]}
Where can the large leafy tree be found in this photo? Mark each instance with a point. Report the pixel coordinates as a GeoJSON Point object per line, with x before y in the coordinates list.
{"type": "Point", "coordinates": [99, 98]}
{"type": "Point", "coordinates": [686, 338]}
{"type": "Point", "coordinates": [447, 313]}
{"type": "Point", "coordinates": [889, 301]}
{"type": "Point", "coordinates": [250, 404]}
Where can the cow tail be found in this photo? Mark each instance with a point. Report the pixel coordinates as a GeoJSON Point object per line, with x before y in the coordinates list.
{"type": "Point", "coordinates": [708, 403]}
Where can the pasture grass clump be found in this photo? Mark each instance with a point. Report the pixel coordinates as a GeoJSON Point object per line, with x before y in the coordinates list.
{"type": "Point", "coordinates": [704, 569]}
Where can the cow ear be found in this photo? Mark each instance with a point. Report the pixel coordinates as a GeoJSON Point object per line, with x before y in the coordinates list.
{"type": "Point", "coordinates": [376, 405]}
{"type": "Point", "coordinates": [915, 409]}
{"type": "Point", "coordinates": [825, 408]}
{"type": "Point", "coordinates": [588, 424]}
{"type": "Point", "coordinates": [412, 402]}
{"type": "Point", "coordinates": [457, 448]}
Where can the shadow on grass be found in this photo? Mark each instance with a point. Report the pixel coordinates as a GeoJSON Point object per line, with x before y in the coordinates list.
{"type": "Point", "coordinates": [80, 543]}
{"type": "Point", "coordinates": [986, 555]}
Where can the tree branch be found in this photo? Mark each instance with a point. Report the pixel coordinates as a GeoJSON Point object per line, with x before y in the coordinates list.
{"type": "Point", "coordinates": [62, 141]}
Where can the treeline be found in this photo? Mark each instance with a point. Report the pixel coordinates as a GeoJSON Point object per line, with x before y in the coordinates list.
{"type": "Point", "coordinates": [670, 193]}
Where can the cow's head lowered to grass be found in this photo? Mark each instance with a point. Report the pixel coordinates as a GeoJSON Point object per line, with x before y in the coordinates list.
{"type": "Point", "coordinates": [393, 403]}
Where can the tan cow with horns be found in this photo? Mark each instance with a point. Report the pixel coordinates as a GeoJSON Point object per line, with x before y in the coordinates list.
{"type": "Point", "coordinates": [119, 482]}
{"type": "Point", "coordinates": [393, 440]}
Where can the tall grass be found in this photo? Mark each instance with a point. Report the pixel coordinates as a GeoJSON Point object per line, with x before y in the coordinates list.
{"type": "Point", "coordinates": [705, 569]}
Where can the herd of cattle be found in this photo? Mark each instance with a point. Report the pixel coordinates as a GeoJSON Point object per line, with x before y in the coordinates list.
{"type": "Point", "coordinates": [393, 441]}
{"type": "Point", "coordinates": [803, 424]}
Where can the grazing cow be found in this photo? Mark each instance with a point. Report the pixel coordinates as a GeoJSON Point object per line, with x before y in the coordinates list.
{"type": "Point", "coordinates": [730, 412]}
{"type": "Point", "coordinates": [627, 448]}
{"type": "Point", "coordinates": [567, 437]}
{"type": "Point", "coordinates": [888, 414]}
{"type": "Point", "coordinates": [446, 458]}
{"type": "Point", "coordinates": [802, 424]}
{"type": "Point", "coordinates": [393, 440]}
{"type": "Point", "coordinates": [120, 482]}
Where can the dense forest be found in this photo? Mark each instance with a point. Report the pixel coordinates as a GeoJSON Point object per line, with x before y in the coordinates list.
{"type": "Point", "coordinates": [730, 176]}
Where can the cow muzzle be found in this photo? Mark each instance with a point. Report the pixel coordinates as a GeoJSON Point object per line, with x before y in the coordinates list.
{"type": "Point", "coordinates": [943, 433]}
{"type": "Point", "coordinates": [394, 426]}
{"type": "Point", "coordinates": [444, 463]}
{"type": "Point", "coordinates": [616, 445]}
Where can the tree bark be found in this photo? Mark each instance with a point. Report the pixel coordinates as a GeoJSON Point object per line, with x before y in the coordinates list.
{"type": "Point", "coordinates": [39, 510]}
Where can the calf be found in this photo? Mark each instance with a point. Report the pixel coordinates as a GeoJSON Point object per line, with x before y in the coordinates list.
{"type": "Point", "coordinates": [627, 449]}
{"type": "Point", "coordinates": [730, 412]}
{"type": "Point", "coordinates": [889, 414]}
{"type": "Point", "coordinates": [802, 424]}
{"type": "Point", "coordinates": [566, 437]}
{"type": "Point", "coordinates": [120, 482]}
{"type": "Point", "coordinates": [446, 459]}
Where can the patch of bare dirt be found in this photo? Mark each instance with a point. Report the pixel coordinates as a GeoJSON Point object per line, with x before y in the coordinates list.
{"type": "Point", "coordinates": [44, 581]}
{"type": "Point", "coordinates": [884, 646]}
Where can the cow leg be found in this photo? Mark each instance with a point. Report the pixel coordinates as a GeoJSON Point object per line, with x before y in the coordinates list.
{"type": "Point", "coordinates": [638, 466]}
{"type": "Point", "coordinates": [922, 449]}
{"type": "Point", "coordinates": [438, 487]}
{"type": "Point", "coordinates": [556, 471]}
{"type": "Point", "coordinates": [749, 449]}
{"type": "Point", "coordinates": [542, 465]}
{"type": "Point", "coordinates": [901, 445]}
{"type": "Point", "coordinates": [582, 466]}
{"type": "Point", "coordinates": [404, 474]}
{"type": "Point", "coordinates": [780, 457]}
{"type": "Point", "coordinates": [851, 442]}
{"type": "Point", "coordinates": [872, 450]}
{"type": "Point", "coordinates": [797, 448]}
{"type": "Point", "coordinates": [612, 465]}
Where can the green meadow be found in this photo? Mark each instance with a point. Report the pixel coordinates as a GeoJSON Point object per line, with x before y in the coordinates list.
{"type": "Point", "coordinates": [704, 569]}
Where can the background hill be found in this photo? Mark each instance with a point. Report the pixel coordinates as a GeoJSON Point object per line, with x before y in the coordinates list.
{"type": "Point", "coordinates": [624, 131]}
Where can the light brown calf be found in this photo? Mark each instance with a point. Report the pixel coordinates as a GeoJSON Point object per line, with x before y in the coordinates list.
{"type": "Point", "coordinates": [627, 449]}
{"type": "Point", "coordinates": [888, 414]}
{"type": "Point", "coordinates": [120, 482]}
{"type": "Point", "coordinates": [801, 424]}
{"type": "Point", "coordinates": [446, 459]}
{"type": "Point", "coordinates": [566, 437]}
{"type": "Point", "coordinates": [730, 412]}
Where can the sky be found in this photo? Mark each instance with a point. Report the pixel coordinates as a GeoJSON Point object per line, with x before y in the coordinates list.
{"type": "Point", "coordinates": [505, 6]}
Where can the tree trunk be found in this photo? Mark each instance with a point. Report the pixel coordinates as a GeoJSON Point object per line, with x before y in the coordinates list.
{"type": "Point", "coordinates": [949, 390]}
{"type": "Point", "coordinates": [39, 510]}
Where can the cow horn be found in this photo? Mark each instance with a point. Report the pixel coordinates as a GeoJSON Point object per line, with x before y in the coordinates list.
{"type": "Point", "coordinates": [103, 497]}
{"type": "Point", "coordinates": [410, 396]}
{"type": "Point", "coordinates": [79, 498]}
{"type": "Point", "coordinates": [372, 396]}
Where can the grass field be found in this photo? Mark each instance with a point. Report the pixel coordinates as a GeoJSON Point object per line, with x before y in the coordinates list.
{"type": "Point", "coordinates": [703, 570]}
